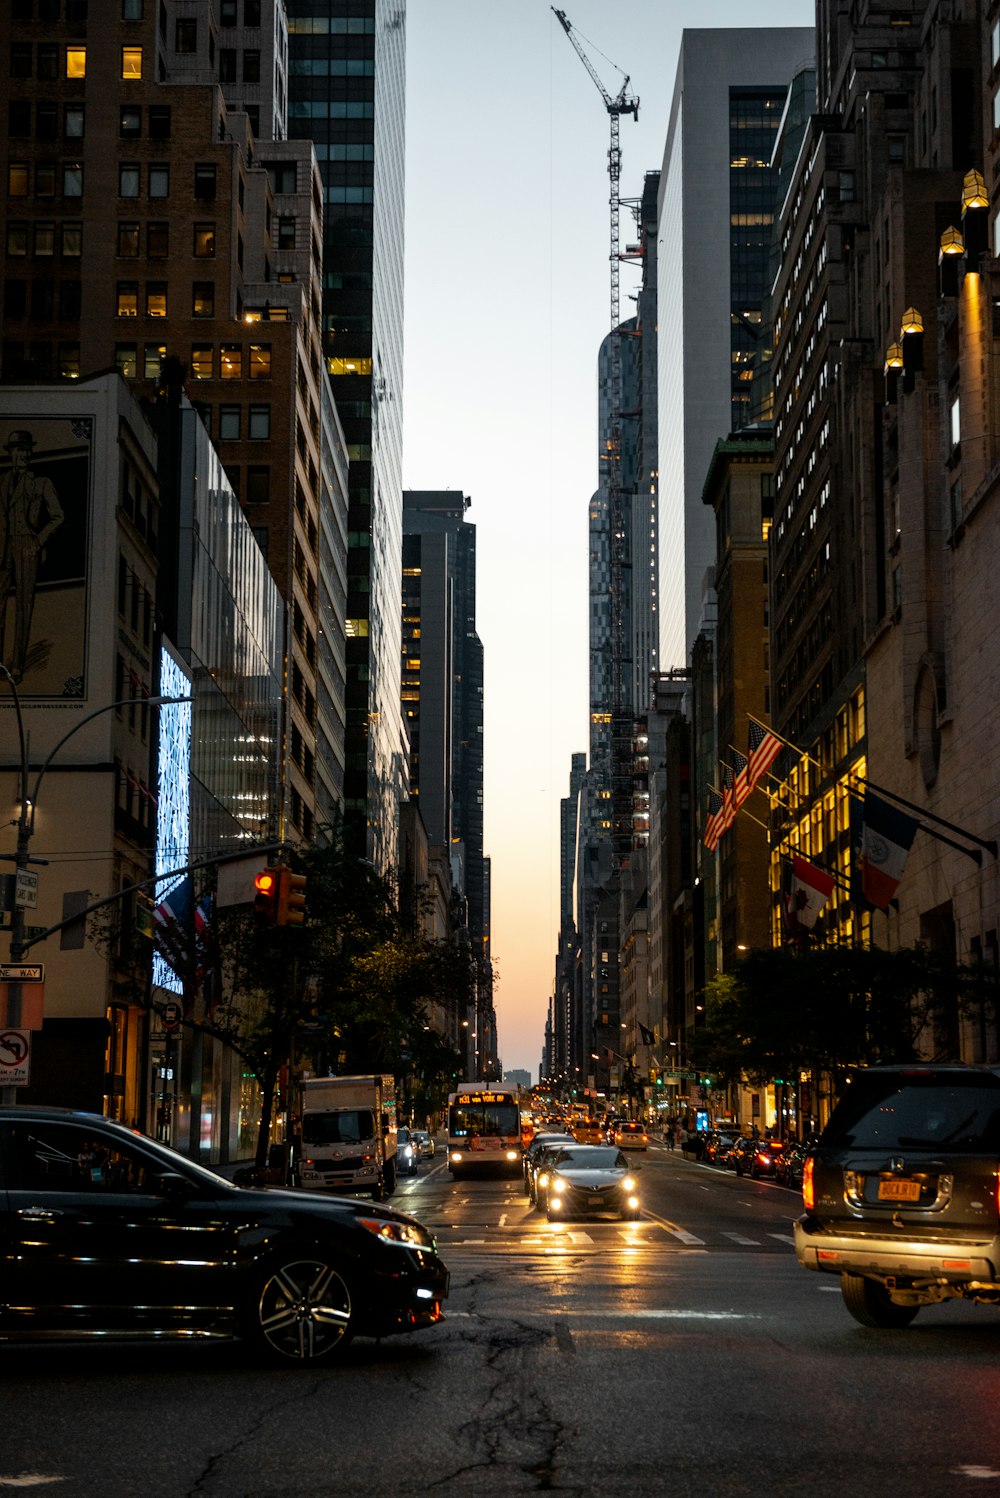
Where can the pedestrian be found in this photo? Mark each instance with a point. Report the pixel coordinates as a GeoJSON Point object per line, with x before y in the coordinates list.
{"type": "Point", "coordinates": [671, 1135]}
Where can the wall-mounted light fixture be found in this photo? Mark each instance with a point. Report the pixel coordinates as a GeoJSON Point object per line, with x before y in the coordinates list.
{"type": "Point", "coordinates": [891, 370]}
{"type": "Point", "coordinates": [975, 212]}
{"type": "Point", "coordinates": [911, 336]}
{"type": "Point", "coordinates": [950, 252]}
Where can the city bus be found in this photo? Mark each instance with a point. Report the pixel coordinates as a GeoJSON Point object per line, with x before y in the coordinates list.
{"type": "Point", "coordinates": [484, 1130]}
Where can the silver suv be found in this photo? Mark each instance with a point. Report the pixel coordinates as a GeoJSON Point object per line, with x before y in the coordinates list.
{"type": "Point", "coordinates": [901, 1191]}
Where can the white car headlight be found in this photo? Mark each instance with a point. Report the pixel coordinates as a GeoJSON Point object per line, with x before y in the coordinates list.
{"type": "Point", "coordinates": [628, 1184]}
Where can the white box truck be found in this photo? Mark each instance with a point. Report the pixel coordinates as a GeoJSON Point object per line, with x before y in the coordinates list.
{"type": "Point", "coordinates": [347, 1135]}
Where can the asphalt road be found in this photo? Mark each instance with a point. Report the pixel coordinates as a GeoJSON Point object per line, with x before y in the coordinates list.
{"type": "Point", "coordinates": [686, 1354]}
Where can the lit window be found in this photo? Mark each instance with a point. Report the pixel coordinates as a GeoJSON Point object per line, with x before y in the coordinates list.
{"type": "Point", "coordinates": [128, 299]}
{"type": "Point", "coordinates": [356, 628]}
{"type": "Point", "coordinates": [125, 360]}
{"type": "Point", "coordinates": [69, 361]}
{"type": "Point", "coordinates": [204, 241]}
{"type": "Point", "coordinates": [201, 361]}
{"type": "Point", "coordinates": [76, 62]}
{"type": "Point", "coordinates": [18, 179]}
{"type": "Point", "coordinates": [203, 299]}
{"type": "Point", "coordinates": [156, 299]}
{"type": "Point", "coordinates": [232, 361]}
{"type": "Point", "coordinates": [349, 366]}
{"type": "Point", "coordinates": [260, 361]}
{"type": "Point", "coordinates": [152, 360]}
{"type": "Point", "coordinates": [131, 63]}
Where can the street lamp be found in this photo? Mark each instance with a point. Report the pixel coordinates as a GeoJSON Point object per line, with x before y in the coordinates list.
{"type": "Point", "coordinates": [28, 801]}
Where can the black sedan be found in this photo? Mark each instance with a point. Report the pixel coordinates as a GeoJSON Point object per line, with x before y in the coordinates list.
{"type": "Point", "coordinates": [104, 1232]}
{"type": "Point", "coordinates": [536, 1155]}
{"type": "Point", "coordinates": [589, 1179]}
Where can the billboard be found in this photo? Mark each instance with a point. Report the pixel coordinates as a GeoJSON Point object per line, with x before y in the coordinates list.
{"type": "Point", "coordinates": [45, 488]}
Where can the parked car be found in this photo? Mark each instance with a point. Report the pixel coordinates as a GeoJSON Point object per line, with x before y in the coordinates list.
{"type": "Point", "coordinates": [92, 1213]}
{"type": "Point", "coordinates": [900, 1191]}
{"type": "Point", "coordinates": [742, 1150]}
{"type": "Point", "coordinates": [790, 1164]}
{"type": "Point", "coordinates": [591, 1179]}
{"type": "Point", "coordinates": [631, 1136]}
{"type": "Point", "coordinates": [407, 1153]}
{"type": "Point", "coordinates": [425, 1143]}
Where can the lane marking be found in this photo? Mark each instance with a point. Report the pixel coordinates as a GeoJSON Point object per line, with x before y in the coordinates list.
{"type": "Point", "coordinates": [28, 1480]}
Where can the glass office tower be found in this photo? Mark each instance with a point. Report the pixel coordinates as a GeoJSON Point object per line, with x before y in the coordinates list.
{"type": "Point", "coordinates": [347, 83]}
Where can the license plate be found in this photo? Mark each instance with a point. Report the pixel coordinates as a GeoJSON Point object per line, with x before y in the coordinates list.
{"type": "Point", "coordinates": [595, 1201]}
{"type": "Point", "coordinates": [896, 1190]}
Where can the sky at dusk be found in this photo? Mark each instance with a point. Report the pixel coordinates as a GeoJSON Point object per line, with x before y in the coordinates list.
{"type": "Point", "coordinates": [507, 299]}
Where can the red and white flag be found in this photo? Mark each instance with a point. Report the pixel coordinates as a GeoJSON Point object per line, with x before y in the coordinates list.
{"type": "Point", "coordinates": [763, 748]}
{"type": "Point", "coordinates": [808, 892]}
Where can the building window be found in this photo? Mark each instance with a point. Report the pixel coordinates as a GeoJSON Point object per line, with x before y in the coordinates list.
{"type": "Point", "coordinates": [260, 361]}
{"type": "Point", "coordinates": [15, 299]}
{"type": "Point", "coordinates": [70, 300]}
{"type": "Point", "coordinates": [251, 12]}
{"type": "Point", "coordinates": [17, 238]}
{"type": "Point", "coordinates": [46, 120]}
{"type": "Point", "coordinates": [45, 179]}
{"type": "Point", "coordinates": [76, 62]}
{"type": "Point", "coordinates": [158, 241]}
{"type": "Point", "coordinates": [282, 175]}
{"type": "Point", "coordinates": [128, 179]}
{"type": "Point", "coordinates": [251, 66]}
{"type": "Point", "coordinates": [128, 240]}
{"type": "Point", "coordinates": [203, 299]}
{"type": "Point", "coordinates": [156, 299]}
{"type": "Point", "coordinates": [201, 361]}
{"type": "Point", "coordinates": [69, 361]}
{"type": "Point", "coordinates": [955, 420]}
{"type": "Point", "coordinates": [72, 241]}
{"type": "Point", "coordinates": [286, 234]}
{"type": "Point", "coordinates": [159, 179]}
{"type": "Point", "coordinates": [227, 65]}
{"type": "Point", "coordinates": [227, 13]}
{"type": "Point", "coordinates": [258, 484]}
{"type": "Point", "coordinates": [232, 361]}
{"type": "Point", "coordinates": [229, 423]}
{"type": "Point", "coordinates": [131, 63]}
{"type": "Point", "coordinates": [152, 360]}
{"type": "Point", "coordinates": [204, 182]}
{"type": "Point", "coordinates": [45, 240]}
{"type": "Point", "coordinates": [18, 179]}
{"type": "Point", "coordinates": [48, 61]}
{"type": "Point", "coordinates": [130, 122]}
{"type": "Point", "coordinates": [20, 59]}
{"type": "Point", "coordinates": [204, 241]}
{"type": "Point", "coordinates": [131, 10]}
{"type": "Point", "coordinates": [186, 35]}
{"type": "Point", "coordinates": [72, 179]}
{"type": "Point", "coordinates": [125, 360]}
{"type": "Point", "coordinates": [159, 122]}
{"type": "Point", "coordinates": [128, 299]}
{"type": "Point", "coordinates": [259, 424]}
{"type": "Point", "coordinates": [73, 121]}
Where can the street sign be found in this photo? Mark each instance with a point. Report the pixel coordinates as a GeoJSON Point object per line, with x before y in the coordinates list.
{"type": "Point", "coordinates": [22, 972]}
{"type": "Point", "coordinates": [15, 1058]}
{"type": "Point", "coordinates": [26, 888]}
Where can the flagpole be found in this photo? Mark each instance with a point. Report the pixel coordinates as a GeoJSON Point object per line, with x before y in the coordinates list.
{"type": "Point", "coordinates": [988, 843]}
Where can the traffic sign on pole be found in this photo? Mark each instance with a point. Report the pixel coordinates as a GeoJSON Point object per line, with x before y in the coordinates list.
{"type": "Point", "coordinates": [22, 972]}
{"type": "Point", "coordinates": [15, 1058]}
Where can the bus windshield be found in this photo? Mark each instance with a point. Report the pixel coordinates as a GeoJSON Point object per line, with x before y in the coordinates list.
{"type": "Point", "coordinates": [475, 1120]}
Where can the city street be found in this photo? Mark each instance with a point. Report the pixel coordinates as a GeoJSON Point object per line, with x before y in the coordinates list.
{"type": "Point", "coordinates": [686, 1353]}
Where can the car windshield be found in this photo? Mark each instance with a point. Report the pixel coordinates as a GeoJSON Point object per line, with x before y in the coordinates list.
{"type": "Point", "coordinates": [349, 1127]}
{"type": "Point", "coordinates": [918, 1110]}
{"type": "Point", "coordinates": [592, 1158]}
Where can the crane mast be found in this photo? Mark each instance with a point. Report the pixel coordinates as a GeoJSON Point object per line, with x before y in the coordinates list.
{"type": "Point", "coordinates": [621, 718]}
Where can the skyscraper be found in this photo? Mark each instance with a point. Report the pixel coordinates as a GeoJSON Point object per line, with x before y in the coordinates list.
{"type": "Point", "coordinates": [346, 94]}
{"type": "Point", "coordinates": [715, 213]}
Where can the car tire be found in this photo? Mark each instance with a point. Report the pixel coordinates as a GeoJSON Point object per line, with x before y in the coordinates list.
{"type": "Point", "coordinates": [301, 1309]}
{"type": "Point", "coordinates": [869, 1304]}
{"type": "Point", "coordinates": [631, 1214]}
{"type": "Point", "coordinates": [550, 1215]}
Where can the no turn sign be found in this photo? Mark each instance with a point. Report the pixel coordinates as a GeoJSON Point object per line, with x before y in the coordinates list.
{"type": "Point", "coordinates": [15, 1058]}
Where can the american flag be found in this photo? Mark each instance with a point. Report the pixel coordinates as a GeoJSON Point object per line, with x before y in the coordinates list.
{"type": "Point", "coordinates": [729, 807]}
{"type": "Point", "coordinates": [763, 748]}
{"type": "Point", "coordinates": [741, 783]}
{"type": "Point", "coordinates": [713, 825]}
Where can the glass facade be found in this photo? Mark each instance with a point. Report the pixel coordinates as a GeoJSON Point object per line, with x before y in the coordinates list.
{"type": "Point", "coordinates": [754, 118]}
{"type": "Point", "coordinates": [347, 94]}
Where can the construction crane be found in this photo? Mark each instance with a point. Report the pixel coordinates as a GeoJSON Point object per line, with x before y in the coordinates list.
{"type": "Point", "coordinates": [621, 719]}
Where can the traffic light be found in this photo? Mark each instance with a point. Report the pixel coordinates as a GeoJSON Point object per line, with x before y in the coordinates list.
{"type": "Point", "coordinates": [291, 898]}
{"type": "Point", "coordinates": [265, 904]}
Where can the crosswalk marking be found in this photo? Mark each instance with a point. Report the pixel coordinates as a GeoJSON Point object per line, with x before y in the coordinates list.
{"type": "Point", "coordinates": [783, 1238]}
{"type": "Point", "coordinates": [685, 1236]}
{"type": "Point", "coordinates": [738, 1238]}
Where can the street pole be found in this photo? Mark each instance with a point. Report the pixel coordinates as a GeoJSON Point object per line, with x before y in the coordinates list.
{"type": "Point", "coordinates": [25, 829]}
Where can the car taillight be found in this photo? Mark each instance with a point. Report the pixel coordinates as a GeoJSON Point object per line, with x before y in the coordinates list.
{"type": "Point", "coordinates": [808, 1184]}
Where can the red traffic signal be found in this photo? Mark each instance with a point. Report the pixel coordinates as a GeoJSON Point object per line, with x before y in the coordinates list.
{"type": "Point", "coordinates": [265, 905]}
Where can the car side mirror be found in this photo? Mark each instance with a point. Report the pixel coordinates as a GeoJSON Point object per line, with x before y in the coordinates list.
{"type": "Point", "coordinates": [174, 1186]}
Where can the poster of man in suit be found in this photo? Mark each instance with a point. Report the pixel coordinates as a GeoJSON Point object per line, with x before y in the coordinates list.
{"type": "Point", "coordinates": [44, 474]}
